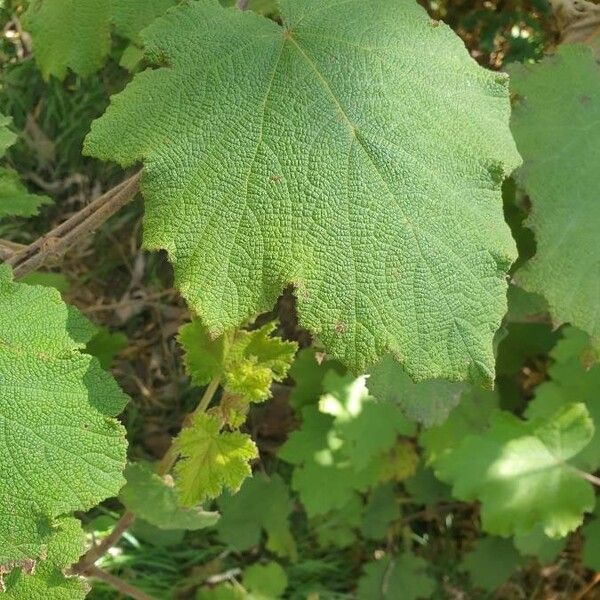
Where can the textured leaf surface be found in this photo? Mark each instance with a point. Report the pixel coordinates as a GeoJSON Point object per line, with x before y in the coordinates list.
{"type": "Point", "coordinates": [520, 472]}
{"type": "Point", "coordinates": [243, 516]}
{"type": "Point", "coordinates": [69, 34]}
{"type": "Point", "coordinates": [491, 562]}
{"type": "Point", "coordinates": [211, 460]}
{"type": "Point", "coordinates": [556, 126]}
{"type": "Point", "coordinates": [61, 449]}
{"type": "Point", "coordinates": [307, 154]}
{"type": "Point", "coordinates": [428, 402]}
{"type": "Point", "coordinates": [46, 581]}
{"type": "Point", "coordinates": [148, 496]}
{"type": "Point", "coordinates": [391, 578]}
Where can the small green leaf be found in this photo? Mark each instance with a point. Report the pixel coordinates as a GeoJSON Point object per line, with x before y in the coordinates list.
{"type": "Point", "coordinates": [148, 496]}
{"type": "Point", "coordinates": [382, 508]}
{"type": "Point", "coordinates": [391, 578]}
{"type": "Point", "coordinates": [265, 582]}
{"type": "Point", "coordinates": [211, 460]}
{"type": "Point", "coordinates": [243, 516]}
{"type": "Point", "coordinates": [591, 547]}
{"type": "Point", "coordinates": [491, 562]}
{"type": "Point", "coordinates": [248, 362]}
{"type": "Point", "coordinates": [537, 543]}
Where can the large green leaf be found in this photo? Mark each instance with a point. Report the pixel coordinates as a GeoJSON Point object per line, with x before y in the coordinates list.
{"type": "Point", "coordinates": [521, 472]}
{"type": "Point", "coordinates": [61, 449]}
{"type": "Point", "coordinates": [357, 158]}
{"type": "Point", "coordinates": [556, 124]}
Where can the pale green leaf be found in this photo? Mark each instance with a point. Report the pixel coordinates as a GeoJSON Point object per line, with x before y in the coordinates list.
{"type": "Point", "coordinates": [62, 449]}
{"type": "Point", "coordinates": [7, 137]}
{"type": "Point", "coordinates": [129, 17]}
{"type": "Point", "coordinates": [308, 154]}
{"type": "Point", "coordinates": [521, 472]}
{"type": "Point", "coordinates": [211, 460]}
{"type": "Point", "coordinates": [556, 124]}
{"type": "Point", "coordinates": [69, 34]}
{"type": "Point", "coordinates": [148, 496]}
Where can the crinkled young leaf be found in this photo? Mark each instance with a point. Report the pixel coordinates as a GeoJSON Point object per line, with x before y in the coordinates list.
{"type": "Point", "coordinates": [556, 124]}
{"type": "Point", "coordinates": [243, 516]}
{"type": "Point", "coordinates": [148, 496]}
{"type": "Point", "coordinates": [15, 200]}
{"type": "Point", "coordinates": [62, 450]}
{"type": "Point", "coordinates": [571, 381]}
{"type": "Point", "coordinates": [248, 362]}
{"type": "Point", "coordinates": [491, 562]}
{"type": "Point", "coordinates": [428, 402]}
{"type": "Point", "coordinates": [359, 159]}
{"type": "Point", "coordinates": [521, 472]}
{"type": "Point", "coordinates": [211, 460]}
{"type": "Point", "coordinates": [69, 34]}
{"type": "Point", "coordinates": [393, 578]}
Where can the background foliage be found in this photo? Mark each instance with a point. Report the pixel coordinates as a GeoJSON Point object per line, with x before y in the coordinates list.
{"type": "Point", "coordinates": [365, 486]}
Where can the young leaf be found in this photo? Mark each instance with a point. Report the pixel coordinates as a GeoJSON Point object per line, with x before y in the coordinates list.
{"type": "Point", "coordinates": [556, 125]}
{"type": "Point", "coordinates": [428, 402]}
{"type": "Point", "coordinates": [521, 472]}
{"type": "Point", "coordinates": [243, 516]}
{"type": "Point", "coordinates": [148, 496]}
{"type": "Point", "coordinates": [211, 460]}
{"type": "Point", "coordinates": [381, 510]}
{"type": "Point", "coordinates": [491, 562]}
{"type": "Point", "coordinates": [62, 449]}
{"type": "Point", "coordinates": [391, 578]}
{"type": "Point", "coordinates": [248, 362]}
{"type": "Point", "coordinates": [7, 137]}
{"type": "Point", "coordinates": [69, 34]}
{"type": "Point", "coordinates": [307, 154]}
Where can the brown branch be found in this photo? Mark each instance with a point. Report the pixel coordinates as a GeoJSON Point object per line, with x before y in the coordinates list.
{"type": "Point", "coordinates": [118, 584]}
{"type": "Point", "coordinates": [8, 248]}
{"type": "Point", "coordinates": [86, 562]}
{"type": "Point", "coordinates": [80, 225]}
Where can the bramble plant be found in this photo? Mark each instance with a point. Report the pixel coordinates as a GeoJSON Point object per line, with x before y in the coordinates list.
{"type": "Point", "coordinates": [388, 254]}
